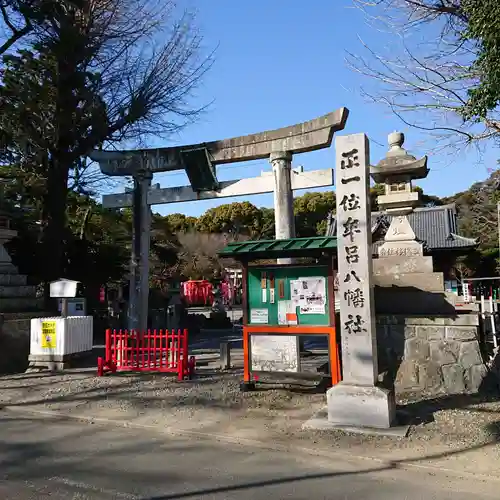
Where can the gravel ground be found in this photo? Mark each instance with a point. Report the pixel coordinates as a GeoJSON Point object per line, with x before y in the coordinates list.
{"type": "Point", "coordinates": [443, 427]}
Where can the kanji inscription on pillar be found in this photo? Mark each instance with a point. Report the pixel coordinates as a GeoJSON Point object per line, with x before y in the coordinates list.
{"type": "Point", "coordinates": [354, 243]}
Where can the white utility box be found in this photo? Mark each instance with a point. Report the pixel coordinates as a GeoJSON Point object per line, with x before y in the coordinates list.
{"type": "Point", "coordinates": [63, 288]}
{"type": "Point", "coordinates": [55, 341]}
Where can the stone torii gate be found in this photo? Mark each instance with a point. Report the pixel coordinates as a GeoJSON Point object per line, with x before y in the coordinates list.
{"type": "Point", "coordinates": [200, 161]}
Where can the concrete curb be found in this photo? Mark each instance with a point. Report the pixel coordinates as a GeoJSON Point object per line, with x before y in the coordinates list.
{"type": "Point", "coordinates": [337, 455]}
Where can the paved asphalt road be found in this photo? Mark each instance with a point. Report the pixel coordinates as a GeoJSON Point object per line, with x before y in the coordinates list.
{"type": "Point", "coordinates": [56, 459]}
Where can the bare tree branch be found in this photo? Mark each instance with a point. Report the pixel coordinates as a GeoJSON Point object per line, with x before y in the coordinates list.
{"type": "Point", "coordinates": [149, 67]}
{"type": "Point", "coordinates": [12, 13]}
{"type": "Point", "coordinates": [198, 254]}
{"type": "Point", "coordinates": [426, 84]}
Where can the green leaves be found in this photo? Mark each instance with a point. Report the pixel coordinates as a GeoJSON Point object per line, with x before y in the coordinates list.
{"type": "Point", "coordinates": [477, 208]}
{"type": "Point", "coordinates": [239, 218]}
{"type": "Point", "coordinates": [180, 223]}
{"type": "Point", "coordinates": [311, 211]}
{"type": "Point", "coordinates": [243, 218]}
{"type": "Point", "coordinates": [484, 29]}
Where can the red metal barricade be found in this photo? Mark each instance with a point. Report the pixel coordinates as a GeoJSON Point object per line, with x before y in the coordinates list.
{"type": "Point", "coordinates": [152, 351]}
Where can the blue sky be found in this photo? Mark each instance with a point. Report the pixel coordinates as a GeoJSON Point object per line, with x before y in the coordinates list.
{"type": "Point", "coordinates": [283, 62]}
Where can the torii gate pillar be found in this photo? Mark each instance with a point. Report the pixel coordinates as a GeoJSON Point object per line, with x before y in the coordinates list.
{"type": "Point", "coordinates": [139, 262]}
{"type": "Point", "coordinates": [284, 219]}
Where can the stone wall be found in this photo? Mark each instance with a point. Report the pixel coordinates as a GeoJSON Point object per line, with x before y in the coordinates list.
{"type": "Point", "coordinates": [432, 355]}
{"type": "Point", "coordinates": [15, 341]}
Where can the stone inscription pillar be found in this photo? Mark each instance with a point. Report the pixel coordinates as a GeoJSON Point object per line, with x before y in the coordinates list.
{"type": "Point", "coordinates": [356, 401]}
{"type": "Point", "coordinates": [139, 265]}
{"type": "Point", "coordinates": [284, 219]}
{"type": "Point", "coordinates": [354, 246]}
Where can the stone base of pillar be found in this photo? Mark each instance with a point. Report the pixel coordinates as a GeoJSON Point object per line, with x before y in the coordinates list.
{"type": "Point", "coordinates": [361, 406]}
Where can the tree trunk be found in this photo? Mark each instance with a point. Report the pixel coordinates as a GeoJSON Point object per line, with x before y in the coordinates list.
{"type": "Point", "coordinates": [54, 230]}
{"type": "Point", "coordinates": [61, 159]}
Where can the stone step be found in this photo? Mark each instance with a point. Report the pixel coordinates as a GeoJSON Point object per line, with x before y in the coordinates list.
{"type": "Point", "coordinates": [20, 316]}
{"type": "Point", "coordinates": [428, 282]}
{"type": "Point", "coordinates": [18, 291]}
{"type": "Point", "coordinates": [385, 266]}
{"type": "Point", "coordinates": [8, 268]}
{"type": "Point", "coordinates": [13, 279]}
{"type": "Point", "coordinates": [22, 304]}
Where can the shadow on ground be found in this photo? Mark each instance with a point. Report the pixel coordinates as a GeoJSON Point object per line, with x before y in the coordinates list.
{"type": "Point", "coordinates": [86, 457]}
{"type": "Point", "coordinates": [209, 389]}
{"type": "Point", "coordinates": [422, 412]}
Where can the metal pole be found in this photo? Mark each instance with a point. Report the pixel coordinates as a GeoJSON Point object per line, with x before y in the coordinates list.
{"type": "Point", "coordinates": [492, 322]}
{"type": "Point", "coordinates": [483, 314]}
{"type": "Point", "coordinates": [64, 308]}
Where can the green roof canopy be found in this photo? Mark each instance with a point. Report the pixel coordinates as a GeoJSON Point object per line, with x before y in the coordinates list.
{"type": "Point", "coordinates": [274, 249]}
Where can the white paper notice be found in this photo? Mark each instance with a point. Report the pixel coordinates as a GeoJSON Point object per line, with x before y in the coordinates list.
{"type": "Point", "coordinates": [272, 295]}
{"type": "Point", "coordinates": [282, 310]}
{"type": "Point", "coordinates": [259, 316]}
{"type": "Point", "coordinates": [287, 313]}
{"type": "Point", "coordinates": [296, 292]}
{"type": "Point", "coordinates": [313, 309]}
{"type": "Point", "coordinates": [312, 297]}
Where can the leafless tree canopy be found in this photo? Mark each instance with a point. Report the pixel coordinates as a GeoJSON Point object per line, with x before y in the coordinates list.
{"type": "Point", "coordinates": [461, 271]}
{"type": "Point", "coordinates": [426, 83]}
{"type": "Point", "coordinates": [101, 73]}
{"type": "Point", "coordinates": [144, 59]}
{"type": "Point", "coordinates": [149, 61]}
{"type": "Point", "coordinates": [198, 254]}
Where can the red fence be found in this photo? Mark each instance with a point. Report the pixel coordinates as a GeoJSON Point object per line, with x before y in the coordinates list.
{"type": "Point", "coordinates": [151, 351]}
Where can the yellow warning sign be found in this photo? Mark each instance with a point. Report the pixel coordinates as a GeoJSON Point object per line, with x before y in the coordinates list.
{"type": "Point", "coordinates": [49, 334]}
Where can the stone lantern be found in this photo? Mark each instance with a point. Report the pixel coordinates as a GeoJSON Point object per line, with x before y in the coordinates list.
{"type": "Point", "coordinates": [397, 171]}
{"type": "Point", "coordinates": [428, 343]}
{"type": "Point", "coordinates": [401, 261]}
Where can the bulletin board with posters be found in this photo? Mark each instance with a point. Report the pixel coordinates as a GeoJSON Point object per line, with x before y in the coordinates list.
{"type": "Point", "coordinates": [285, 306]}
{"type": "Point", "coordinates": [282, 304]}
{"type": "Point", "coordinates": [288, 296]}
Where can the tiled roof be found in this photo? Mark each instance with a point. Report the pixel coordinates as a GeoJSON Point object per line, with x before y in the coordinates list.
{"type": "Point", "coordinates": [436, 227]}
{"type": "Point", "coordinates": [268, 249]}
